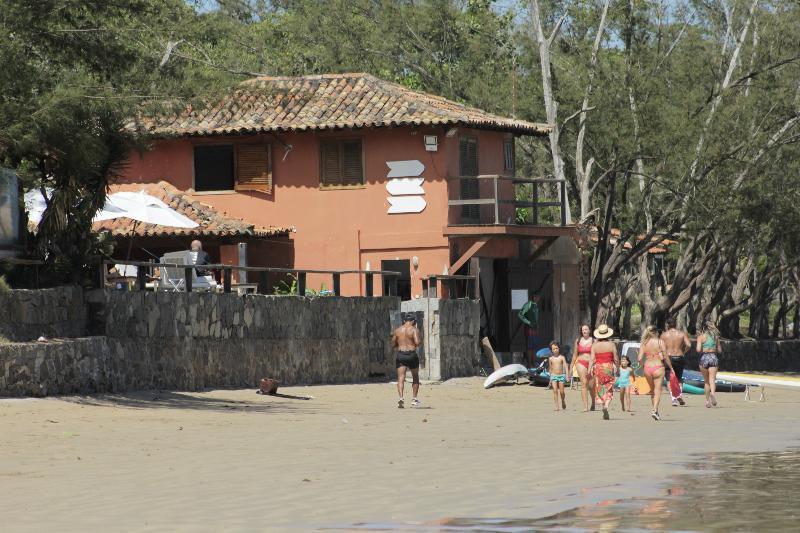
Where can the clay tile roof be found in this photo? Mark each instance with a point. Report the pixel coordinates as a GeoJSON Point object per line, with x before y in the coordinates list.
{"type": "Point", "coordinates": [328, 101]}
{"type": "Point", "coordinates": [212, 223]}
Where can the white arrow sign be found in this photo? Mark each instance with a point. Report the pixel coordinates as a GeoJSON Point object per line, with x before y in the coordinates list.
{"type": "Point", "coordinates": [406, 204]}
{"type": "Point", "coordinates": [405, 169]}
{"type": "Point", "coordinates": [399, 187]}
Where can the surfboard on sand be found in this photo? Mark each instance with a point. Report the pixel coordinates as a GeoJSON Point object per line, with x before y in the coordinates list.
{"type": "Point", "coordinates": [505, 373]}
{"type": "Point", "coordinates": [782, 382]}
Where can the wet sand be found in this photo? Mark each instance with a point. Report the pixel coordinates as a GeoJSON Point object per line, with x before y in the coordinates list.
{"type": "Point", "coordinates": [238, 461]}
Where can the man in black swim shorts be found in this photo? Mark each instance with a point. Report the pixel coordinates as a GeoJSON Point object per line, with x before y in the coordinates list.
{"type": "Point", "coordinates": [406, 340]}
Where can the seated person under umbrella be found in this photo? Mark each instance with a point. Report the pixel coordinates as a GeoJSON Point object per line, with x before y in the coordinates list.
{"type": "Point", "coordinates": [200, 257]}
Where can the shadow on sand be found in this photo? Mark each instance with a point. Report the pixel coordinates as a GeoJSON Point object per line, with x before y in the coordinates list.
{"type": "Point", "coordinates": [187, 400]}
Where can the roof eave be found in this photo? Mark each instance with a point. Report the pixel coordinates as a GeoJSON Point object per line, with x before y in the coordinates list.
{"type": "Point", "coordinates": [534, 130]}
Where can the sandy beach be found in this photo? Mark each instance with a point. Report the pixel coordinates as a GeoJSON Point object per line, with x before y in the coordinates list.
{"type": "Point", "coordinates": [237, 461]}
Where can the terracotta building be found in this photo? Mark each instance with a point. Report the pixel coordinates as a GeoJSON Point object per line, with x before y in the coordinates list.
{"type": "Point", "coordinates": [368, 174]}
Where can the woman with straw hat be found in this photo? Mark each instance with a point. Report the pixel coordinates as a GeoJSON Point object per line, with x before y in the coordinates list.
{"type": "Point", "coordinates": [604, 365]}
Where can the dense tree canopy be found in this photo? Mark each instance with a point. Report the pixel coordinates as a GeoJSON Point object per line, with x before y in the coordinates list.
{"type": "Point", "coordinates": [675, 119]}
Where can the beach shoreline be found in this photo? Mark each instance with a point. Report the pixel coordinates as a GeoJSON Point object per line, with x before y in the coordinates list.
{"type": "Point", "coordinates": [154, 461]}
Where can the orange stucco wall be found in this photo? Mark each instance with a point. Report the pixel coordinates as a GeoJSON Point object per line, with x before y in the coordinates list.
{"type": "Point", "coordinates": [345, 228]}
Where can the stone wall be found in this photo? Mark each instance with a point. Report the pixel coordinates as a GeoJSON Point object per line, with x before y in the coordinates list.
{"type": "Point", "coordinates": [28, 314]}
{"type": "Point", "coordinates": [55, 367]}
{"type": "Point", "coordinates": [191, 341]}
{"type": "Point", "coordinates": [196, 340]}
{"type": "Point", "coordinates": [752, 355]}
{"type": "Point", "coordinates": [450, 336]}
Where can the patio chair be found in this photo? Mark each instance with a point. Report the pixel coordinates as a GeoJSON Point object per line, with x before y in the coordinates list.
{"type": "Point", "coordinates": [175, 278]}
{"type": "Point", "coordinates": [172, 278]}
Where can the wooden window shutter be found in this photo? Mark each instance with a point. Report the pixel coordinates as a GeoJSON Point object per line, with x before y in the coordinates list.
{"type": "Point", "coordinates": [254, 168]}
{"type": "Point", "coordinates": [470, 188]}
{"type": "Point", "coordinates": [330, 163]}
{"type": "Point", "coordinates": [468, 157]}
{"type": "Point", "coordinates": [352, 171]}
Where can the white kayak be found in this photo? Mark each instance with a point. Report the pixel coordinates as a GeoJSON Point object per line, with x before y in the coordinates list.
{"type": "Point", "coordinates": [504, 374]}
{"type": "Point", "coordinates": [782, 382]}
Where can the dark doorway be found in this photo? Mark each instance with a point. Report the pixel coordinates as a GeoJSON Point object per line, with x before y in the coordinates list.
{"type": "Point", "coordinates": [403, 282]}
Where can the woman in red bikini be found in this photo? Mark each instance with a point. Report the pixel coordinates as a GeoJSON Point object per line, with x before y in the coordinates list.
{"type": "Point", "coordinates": [604, 364]}
{"type": "Point", "coordinates": [581, 360]}
{"type": "Point", "coordinates": [652, 352]}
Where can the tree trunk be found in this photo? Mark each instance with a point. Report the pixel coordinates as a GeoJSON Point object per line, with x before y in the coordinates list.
{"type": "Point", "coordinates": [550, 103]}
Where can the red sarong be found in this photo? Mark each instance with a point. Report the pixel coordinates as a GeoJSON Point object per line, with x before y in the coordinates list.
{"type": "Point", "coordinates": [604, 381]}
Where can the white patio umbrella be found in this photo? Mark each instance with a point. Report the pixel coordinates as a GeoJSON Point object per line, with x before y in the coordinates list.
{"type": "Point", "coordinates": [142, 207]}
{"type": "Point", "coordinates": [138, 206]}
{"type": "Point", "coordinates": [134, 205]}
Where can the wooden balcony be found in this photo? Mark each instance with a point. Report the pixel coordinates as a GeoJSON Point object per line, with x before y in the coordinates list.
{"type": "Point", "coordinates": [485, 211]}
{"type": "Point", "coordinates": [495, 200]}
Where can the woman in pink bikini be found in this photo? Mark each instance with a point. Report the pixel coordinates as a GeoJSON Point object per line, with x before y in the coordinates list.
{"type": "Point", "coordinates": [652, 352]}
{"type": "Point", "coordinates": [604, 364]}
{"type": "Point", "coordinates": [581, 361]}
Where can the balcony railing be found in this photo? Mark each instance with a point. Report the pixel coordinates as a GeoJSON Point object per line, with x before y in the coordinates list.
{"type": "Point", "coordinates": [503, 200]}
{"type": "Point", "coordinates": [142, 268]}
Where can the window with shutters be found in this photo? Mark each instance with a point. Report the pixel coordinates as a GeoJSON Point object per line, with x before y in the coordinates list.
{"type": "Point", "coordinates": [227, 167]}
{"type": "Point", "coordinates": [341, 163]}
{"type": "Point", "coordinates": [508, 154]}
{"type": "Point", "coordinates": [468, 166]}
{"type": "Point", "coordinates": [254, 168]}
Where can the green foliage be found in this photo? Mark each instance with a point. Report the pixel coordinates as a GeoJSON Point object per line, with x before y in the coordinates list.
{"type": "Point", "coordinates": [75, 73]}
{"type": "Point", "coordinates": [282, 288]}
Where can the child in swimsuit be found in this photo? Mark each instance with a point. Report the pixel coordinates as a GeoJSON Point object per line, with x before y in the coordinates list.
{"type": "Point", "coordinates": [557, 367]}
{"type": "Point", "coordinates": [625, 383]}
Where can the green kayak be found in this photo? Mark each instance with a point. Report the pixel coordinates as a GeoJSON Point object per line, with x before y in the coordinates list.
{"type": "Point", "coordinates": [691, 389]}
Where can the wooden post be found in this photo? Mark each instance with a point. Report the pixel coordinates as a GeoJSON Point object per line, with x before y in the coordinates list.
{"type": "Point", "coordinates": [535, 201]}
{"type": "Point", "coordinates": [262, 282]}
{"type": "Point", "coordinates": [301, 283]}
{"type": "Point", "coordinates": [368, 281]}
{"type": "Point", "coordinates": [475, 270]}
{"type": "Point", "coordinates": [226, 279]}
{"type": "Point", "coordinates": [337, 286]}
{"type": "Point", "coordinates": [141, 278]}
{"type": "Point", "coordinates": [187, 278]}
{"type": "Point", "coordinates": [563, 186]}
{"type": "Point", "coordinates": [393, 285]}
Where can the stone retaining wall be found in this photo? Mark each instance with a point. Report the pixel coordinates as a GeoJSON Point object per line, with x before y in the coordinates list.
{"type": "Point", "coordinates": [191, 341]}
{"type": "Point", "coordinates": [752, 355]}
{"type": "Point", "coordinates": [196, 340]}
{"type": "Point", "coordinates": [55, 367]}
{"type": "Point", "coordinates": [28, 314]}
